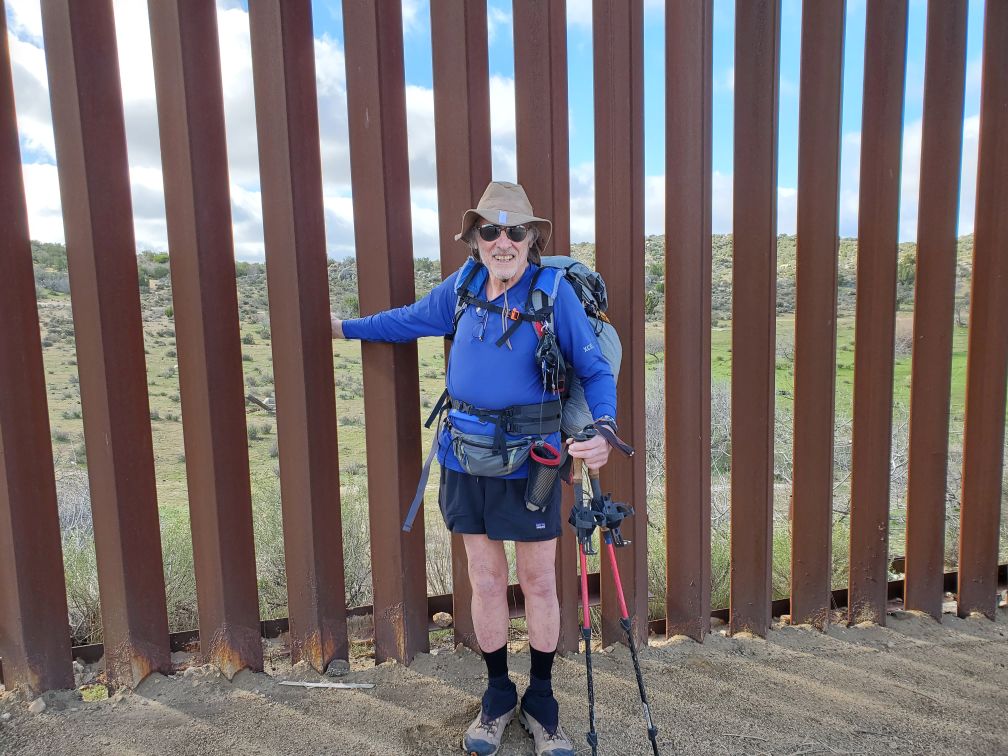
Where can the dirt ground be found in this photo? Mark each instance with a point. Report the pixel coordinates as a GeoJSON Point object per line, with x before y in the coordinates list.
{"type": "Point", "coordinates": [913, 687]}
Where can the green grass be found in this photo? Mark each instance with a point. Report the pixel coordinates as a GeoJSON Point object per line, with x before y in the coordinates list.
{"type": "Point", "coordinates": [257, 366]}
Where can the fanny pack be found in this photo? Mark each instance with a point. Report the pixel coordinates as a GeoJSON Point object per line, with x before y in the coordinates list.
{"type": "Point", "coordinates": [491, 456]}
{"type": "Point", "coordinates": [481, 455]}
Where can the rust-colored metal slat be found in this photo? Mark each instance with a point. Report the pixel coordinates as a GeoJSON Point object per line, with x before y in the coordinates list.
{"type": "Point", "coordinates": [934, 299]}
{"type": "Point", "coordinates": [290, 165]}
{"type": "Point", "coordinates": [462, 143]}
{"type": "Point", "coordinates": [816, 299]}
{"type": "Point", "coordinates": [688, 88]}
{"type": "Point", "coordinates": [542, 132]}
{"type": "Point", "coordinates": [754, 295]}
{"type": "Point", "coordinates": [987, 368]}
{"type": "Point", "coordinates": [878, 217]}
{"type": "Point", "coordinates": [543, 169]}
{"type": "Point", "coordinates": [376, 104]}
{"type": "Point", "coordinates": [34, 642]}
{"type": "Point", "coordinates": [187, 77]}
{"type": "Point", "coordinates": [80, 48]}
{"type": "Point", "coordinates": [618, 31]}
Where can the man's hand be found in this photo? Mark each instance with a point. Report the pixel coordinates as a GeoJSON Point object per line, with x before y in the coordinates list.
{"type": "Point", "coordinates": [337, 326]}
{"type": "Point", "coordinates": [594, 451]}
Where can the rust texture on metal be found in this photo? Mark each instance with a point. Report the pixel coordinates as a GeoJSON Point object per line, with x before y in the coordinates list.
{"type": "Point", "coordinates": [290, 166]}
{"type": "Point", "coordinates": [618, 30]}
{"type": "Point", "coordinates": [934, 300]}
{"type": "Point", "coordinates": [379, 167]}
{"type": "Point", "coordinates": [816, 305]}
{"type": "Point", "coordinates": [541, 128]}
{"type": "Point", "coordinates": [34, 641]}
{"type": "Point", "coordinates": [987, 363]}
{"type": "Point", "coordinates": [754, 299]}
{"type": "Point", "coordinates": [461, 117]}
{"type": "Point", "coordinates": [84, 87]}
{"type": "Point", "coordinates": [187, 78]}
{"type": "Point", "coordinates": [540, 34]}
{"type": "Point", "coordinates": [688, 135]}
{"type": "Point", "coordinates": [462, 144]}
{"type": "Point", "coordinates": [878, 216]}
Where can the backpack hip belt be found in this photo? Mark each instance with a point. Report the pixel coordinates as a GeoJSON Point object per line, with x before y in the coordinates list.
{"type": "Point", "coordinates": [519, 419]}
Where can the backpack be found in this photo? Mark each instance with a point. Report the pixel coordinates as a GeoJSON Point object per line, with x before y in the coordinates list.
{"type": "Point", "coordinates": [558, 376]}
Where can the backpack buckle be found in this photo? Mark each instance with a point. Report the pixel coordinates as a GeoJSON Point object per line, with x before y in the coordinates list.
{"type": "Point", "coordinates": [515, 314]}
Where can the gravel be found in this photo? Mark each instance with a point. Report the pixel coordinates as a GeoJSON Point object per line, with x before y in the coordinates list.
{"type": "Point", "coordinates": [913, 687]}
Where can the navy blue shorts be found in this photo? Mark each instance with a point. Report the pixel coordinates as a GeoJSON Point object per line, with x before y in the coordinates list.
{"type": "Point", "coordinates": [496, 507]}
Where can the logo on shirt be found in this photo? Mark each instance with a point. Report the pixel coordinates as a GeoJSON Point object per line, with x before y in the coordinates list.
{"type": "Point", "coordinates": [587, 347]}
{"type": "Point", "coordinates": [540, 526]}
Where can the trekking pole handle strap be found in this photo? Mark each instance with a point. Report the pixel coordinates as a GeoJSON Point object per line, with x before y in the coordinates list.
{"type": "Point", "coordinates": [606, 427]}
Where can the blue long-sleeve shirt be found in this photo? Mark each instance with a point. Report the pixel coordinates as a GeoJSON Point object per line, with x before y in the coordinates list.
{"type": "Point", "coordinates": [492, 377]}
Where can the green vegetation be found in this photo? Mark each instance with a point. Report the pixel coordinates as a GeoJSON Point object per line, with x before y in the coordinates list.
{"type": "Point", "coordinates": [255, 334]}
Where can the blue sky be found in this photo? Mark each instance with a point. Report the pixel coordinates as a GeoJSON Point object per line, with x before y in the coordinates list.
{"type": "Point", "coordinates": [31, 91]}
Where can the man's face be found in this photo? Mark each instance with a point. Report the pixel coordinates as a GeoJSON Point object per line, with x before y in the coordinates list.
{"type": "Point", "coordinates": [504, 258]}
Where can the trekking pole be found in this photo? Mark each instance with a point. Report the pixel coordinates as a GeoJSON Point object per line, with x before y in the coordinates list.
{"type": "Point", "coordinates": [614, 514]}
{"type": "Point", "coordinates": [583, 521]}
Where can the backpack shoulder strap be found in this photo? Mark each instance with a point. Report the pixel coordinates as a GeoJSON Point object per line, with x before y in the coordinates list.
{"type": "Point", "coordinates": [469, 280]}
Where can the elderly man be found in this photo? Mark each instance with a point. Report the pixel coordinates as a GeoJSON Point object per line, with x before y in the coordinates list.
{"type": "Point", "coordinates": [498, 408]}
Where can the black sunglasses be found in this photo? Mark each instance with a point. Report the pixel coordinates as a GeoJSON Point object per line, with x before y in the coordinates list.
{"type": "Point", "coordinates": [490, 232]}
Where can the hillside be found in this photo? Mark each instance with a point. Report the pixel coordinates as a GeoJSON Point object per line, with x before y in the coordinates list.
{"type": "Point", "coordinates": [51, 276]}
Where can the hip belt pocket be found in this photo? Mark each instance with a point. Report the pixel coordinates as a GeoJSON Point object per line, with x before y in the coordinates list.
{"type": "Point", "coordinates": [477, 455]}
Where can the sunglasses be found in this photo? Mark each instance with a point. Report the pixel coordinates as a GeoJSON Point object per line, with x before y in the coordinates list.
{"type": "Point", "coordinates": [490, 232]}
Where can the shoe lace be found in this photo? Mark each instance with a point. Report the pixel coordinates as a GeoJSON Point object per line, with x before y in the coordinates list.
{"type": "Point", "coordinates": [490, 725]}
{"type": "Point", "coordinates": [557, 734]}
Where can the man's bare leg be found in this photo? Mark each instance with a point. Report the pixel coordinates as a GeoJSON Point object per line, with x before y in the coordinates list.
{"type": "Point", "coordinates": [537, 577]}
{"type": "Point", "coordinates": [488, 576]}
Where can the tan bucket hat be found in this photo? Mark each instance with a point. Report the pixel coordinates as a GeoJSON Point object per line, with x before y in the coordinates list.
{"type": "Point", "coordinates": [505, 204]}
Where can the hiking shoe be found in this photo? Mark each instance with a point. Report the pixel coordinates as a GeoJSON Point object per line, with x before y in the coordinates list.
{"type": "Point", "coordinates": [483, 737]}
{"type": "Point", "coordinates": [546, 743]}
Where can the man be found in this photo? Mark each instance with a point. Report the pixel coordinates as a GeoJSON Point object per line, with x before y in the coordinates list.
{"type": "Point", "coordinates": [499, 407]}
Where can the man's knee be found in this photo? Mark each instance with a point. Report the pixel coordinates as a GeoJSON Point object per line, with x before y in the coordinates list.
{"type": "Point", "coordinates": [487, 580]}
{"type": "Point", "coordinates": [540, 584]}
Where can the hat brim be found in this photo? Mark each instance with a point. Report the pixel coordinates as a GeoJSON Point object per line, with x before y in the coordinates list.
{"type": "Point", "coordinates": [513, 219]}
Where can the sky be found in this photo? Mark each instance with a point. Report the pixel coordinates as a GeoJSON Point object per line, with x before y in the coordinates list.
{"type": "Point", "coordinates": [136, 68]}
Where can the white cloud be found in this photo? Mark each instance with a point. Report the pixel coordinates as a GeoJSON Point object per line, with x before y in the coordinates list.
{"type": "Point", "coordinates": [34, 121]}
{"type": "Point", "coordinates": [909, 180]}
{"type": "Point", "coordinates": [411, 18]}
{"type": "Point", "coordinates": [787, 209]}
{"type": "Point", "coordinates": [502, 129]}
{"type": "Point", "coordinates": [579, 13]}
{"type": "Point", "coordinates": [24, 19]}
{"type": "Point", "coordinates": [499, 22]}
{"type": "Point", "coordinates": [850, 176]}
{"type": "Point", "coordinates": [967, 192]}
{"type": "Point", "coordinates": [724, 81]}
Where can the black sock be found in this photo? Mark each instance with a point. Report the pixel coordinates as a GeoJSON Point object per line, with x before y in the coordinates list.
{"type": "Point", "coordinates": [496, 662]}
{"type": "Point", "coordinates": [538, 699]}
{"type": "Point", "coordinates": [542, 663]}
{"type": "Point", "coordinates": [501, 695]}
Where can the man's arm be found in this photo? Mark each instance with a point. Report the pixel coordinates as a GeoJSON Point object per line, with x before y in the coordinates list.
{"type": "Point", "coordinates": [431, 316]}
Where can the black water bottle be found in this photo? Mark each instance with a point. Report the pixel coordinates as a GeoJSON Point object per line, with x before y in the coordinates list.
{"type": "Point", "coordinates": [544, 467]}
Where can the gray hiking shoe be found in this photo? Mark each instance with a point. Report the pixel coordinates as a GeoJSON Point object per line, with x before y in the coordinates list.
{"type": "Point", "coordinates": [483, 737]}
{"type": "Point", "coordinates": [546, 743]}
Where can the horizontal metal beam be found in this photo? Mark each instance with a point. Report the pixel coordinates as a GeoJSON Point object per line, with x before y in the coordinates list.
{"type": "Point", "coordinates": [274, 628]}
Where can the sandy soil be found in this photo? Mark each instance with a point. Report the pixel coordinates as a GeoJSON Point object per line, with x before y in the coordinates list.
{"type": "Point", "coordinates": [913, 687]}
